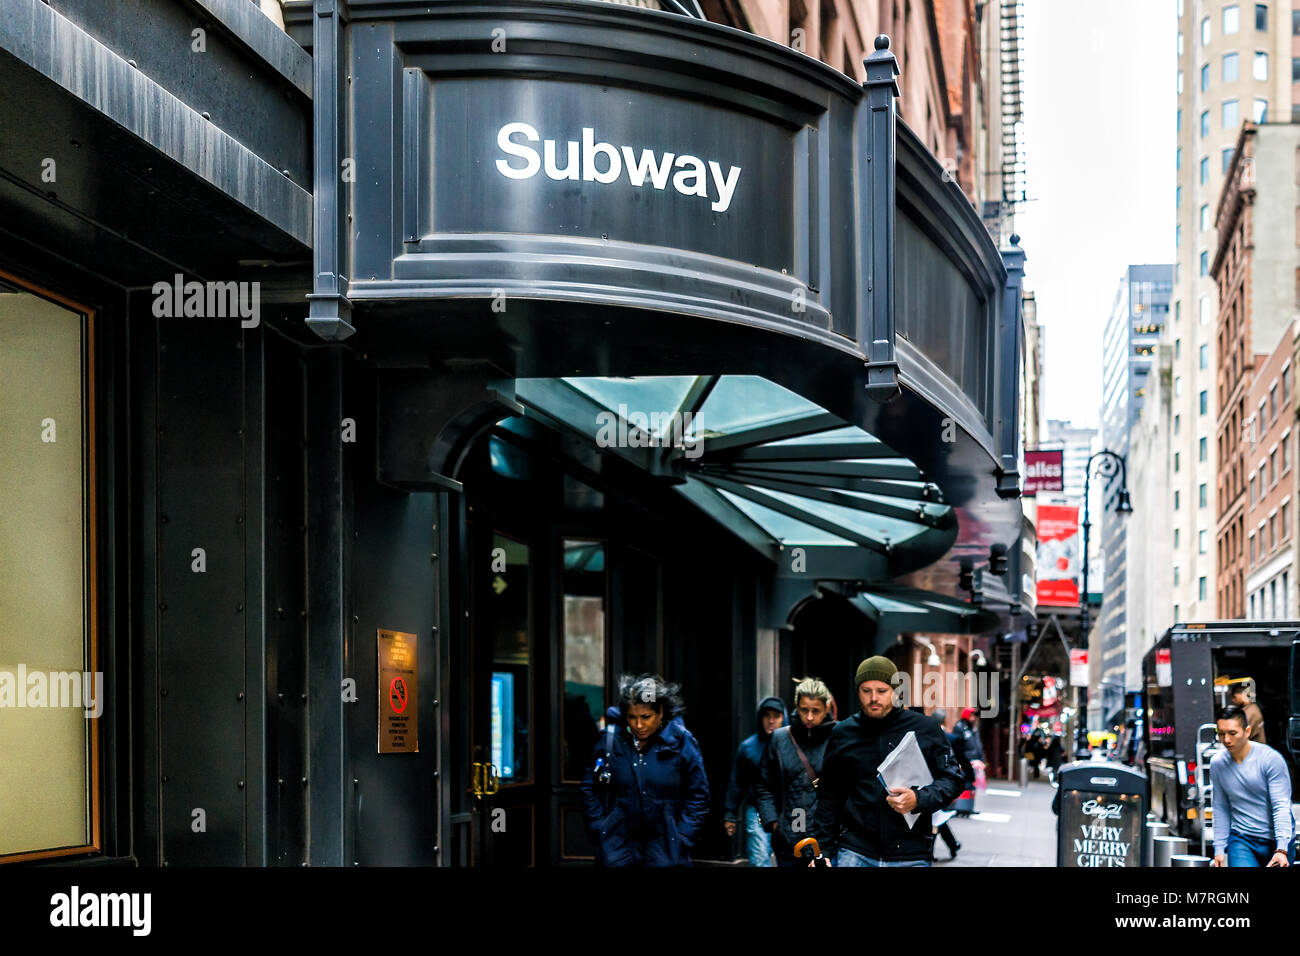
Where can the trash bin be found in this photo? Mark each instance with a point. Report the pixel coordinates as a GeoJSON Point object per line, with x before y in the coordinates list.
{"type": "Point", "coordinates": [1103, 808]}
{"type": "Point", "coordinates": [1188, 859]}
{"type": "Point", "coordinates": [1153, 829]}
{"type": "Point", "coordinates": [1167, 847]}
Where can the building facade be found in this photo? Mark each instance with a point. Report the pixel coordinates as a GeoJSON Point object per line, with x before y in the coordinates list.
{"type": "Point", "coordinates": [1137, 319]}
{"type": "Point", "coordinates": [1234, 64]}
{"type": "Point", "coordinates": [1258, 286]}
{"type": "Point", "coordinates": [353, 481]}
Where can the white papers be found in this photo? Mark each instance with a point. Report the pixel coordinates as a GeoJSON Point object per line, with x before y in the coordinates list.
{"type": "Point", "coordinates": [940, 817]}
{"type": "Point", "coordinates": [905, 767]}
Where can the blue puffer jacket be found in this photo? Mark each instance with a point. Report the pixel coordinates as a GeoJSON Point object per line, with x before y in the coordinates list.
{"type": "Point", "coordinates": [749, 759]}
{"type": "Point", "coordinates": [653, 809]}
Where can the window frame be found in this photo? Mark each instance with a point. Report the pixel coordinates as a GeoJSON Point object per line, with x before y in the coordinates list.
{"type": "Point", "coordinates": [96, 778]}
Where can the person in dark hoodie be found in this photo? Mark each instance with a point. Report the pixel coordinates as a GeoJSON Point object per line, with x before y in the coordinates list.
{"type": "Point", "coordinates": [788, 774]}
{"type": "Point", "coordinates": [741, 802]}
{"type": "Point", "coordinates": [645, 794]}
{"type": "Point", "coordinates": [857, 821]}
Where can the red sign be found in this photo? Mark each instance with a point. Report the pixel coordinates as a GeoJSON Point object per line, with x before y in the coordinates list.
{"type": "Point", "coordinates": [1044, 471]}
{"type": "Point", "coordinates": [1079, 666]}
{"type": "Point", "coordinates": [1164, 668]}
{"type": "Point", "coordinates": [1058, 555]}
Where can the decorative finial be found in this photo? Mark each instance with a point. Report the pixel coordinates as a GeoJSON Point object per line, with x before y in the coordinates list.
{"type": "Point", "coordinates": [882, 42]}
{"type": "Point", "coordinates": [1015, 239]}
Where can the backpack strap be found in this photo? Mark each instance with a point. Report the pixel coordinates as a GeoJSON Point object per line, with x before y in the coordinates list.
{"type": "Point", "coordinates": [803, 758]}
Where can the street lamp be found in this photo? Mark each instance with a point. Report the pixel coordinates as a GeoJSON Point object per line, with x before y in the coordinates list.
{"type": "Point", "coordinates": [1110, 462]}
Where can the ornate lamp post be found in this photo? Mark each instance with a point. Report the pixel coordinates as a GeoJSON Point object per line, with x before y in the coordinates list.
{"type": "Point", "coordinates": [1110, 462]}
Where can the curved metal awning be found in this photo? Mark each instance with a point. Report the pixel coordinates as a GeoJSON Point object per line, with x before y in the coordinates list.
{"type": "Point", "coordinates": [819, 498]}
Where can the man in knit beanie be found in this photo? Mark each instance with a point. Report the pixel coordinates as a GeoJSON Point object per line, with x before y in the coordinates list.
{"type": "Point", "coordinates": [857, 821]}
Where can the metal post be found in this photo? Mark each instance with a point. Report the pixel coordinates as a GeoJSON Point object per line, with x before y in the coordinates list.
{"type": "Point", "coordinates": [1013, 725]}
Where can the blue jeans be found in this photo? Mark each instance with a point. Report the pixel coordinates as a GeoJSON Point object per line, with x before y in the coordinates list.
{"type": "Point", "coordinates": [848, 858]}
{"type": "Point", "coordinates": [1246, 850]}
{"type": "Point", "coordinates": [758, 842]}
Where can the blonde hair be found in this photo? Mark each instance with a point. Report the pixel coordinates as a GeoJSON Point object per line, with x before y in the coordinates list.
{"type": "Point", "coordinates": [815, 688]}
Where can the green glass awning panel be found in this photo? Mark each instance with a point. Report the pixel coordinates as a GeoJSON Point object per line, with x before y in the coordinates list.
{"type": "Point", "coordinates": [874, 526]}
{"type": "Point", "coordinates": [659, 395]}
{"type": "Point", "coordinates": [847, 433]}
{"type": "Point", "coordinates": [739, 402]}
{"type": "Point", "coordinates": [783, 528]}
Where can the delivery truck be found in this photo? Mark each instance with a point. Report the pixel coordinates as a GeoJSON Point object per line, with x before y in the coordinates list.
{"type": "Point", "coordinates": [1187, 677]}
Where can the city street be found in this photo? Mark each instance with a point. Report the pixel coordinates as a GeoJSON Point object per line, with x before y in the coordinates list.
{"type": "Point", "coordinates": [1011, 827]}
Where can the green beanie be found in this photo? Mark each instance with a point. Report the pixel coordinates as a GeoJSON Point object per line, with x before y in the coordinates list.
{"type": "Point", "coordinates": [875, 668]}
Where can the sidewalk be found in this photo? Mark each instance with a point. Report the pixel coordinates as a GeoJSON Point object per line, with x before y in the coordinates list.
{"type": "Point", "coordinates": [1011, 827]}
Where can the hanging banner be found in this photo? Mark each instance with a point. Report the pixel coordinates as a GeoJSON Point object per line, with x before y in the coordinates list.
{"type": "Point", "coordinates": [1058, 555]}
{"type": "Point", "coordinates": [1044, 471]}
{"type": "Point", "coordinates": [1164, 669]}
{"type": "Point", "coordinates": [1079, 667]}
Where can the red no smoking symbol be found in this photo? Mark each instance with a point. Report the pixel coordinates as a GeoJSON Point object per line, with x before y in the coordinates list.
{"type": "Point", "coordinates": [397, 695]}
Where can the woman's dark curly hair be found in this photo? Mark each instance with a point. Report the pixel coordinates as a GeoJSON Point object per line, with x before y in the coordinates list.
{"type": "Point", "coordinates": [653, 691]}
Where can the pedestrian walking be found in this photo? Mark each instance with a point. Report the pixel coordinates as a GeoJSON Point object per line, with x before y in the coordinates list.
{"type": "Point", "coordinates": [645, 794]}
{"type": "Point", "coordinates": [856, 819]}
{"type": "Point", "coordinates": [941, 817]}
{"type": "Point", "coordinates": [1243, 695]}
{"type": "Point", "coordinates": [1055, 756]}
{"type": "Point", "coordinates": [969, 751]}
{"type": "Point", "coordinates": [791, 767]}
{"type": "Point", "coordinates": [741, 802]}
{"type": "Point", "coordinates": [1253, 825]}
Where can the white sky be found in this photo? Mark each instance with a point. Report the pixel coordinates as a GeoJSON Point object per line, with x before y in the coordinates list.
{"type": "Point", "coordinates": [1100, 97]}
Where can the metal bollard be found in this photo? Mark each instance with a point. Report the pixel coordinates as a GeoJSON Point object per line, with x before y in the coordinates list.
{"type": "Point", "coordinates": [1168, 847]}
{"type": "Point", "coordinates": [1152, 830]}
{"type": "Point", "coordinates": [1024, 773]}
{"type": "Point", "coordinates": [1188, 859]}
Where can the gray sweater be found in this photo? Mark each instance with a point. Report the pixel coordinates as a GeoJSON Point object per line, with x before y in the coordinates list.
{"type": "Point", "coordinates": [1252, 797]}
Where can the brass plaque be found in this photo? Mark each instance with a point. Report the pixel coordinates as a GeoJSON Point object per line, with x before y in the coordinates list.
{"type": "Point", "coordinates": [399, 721]}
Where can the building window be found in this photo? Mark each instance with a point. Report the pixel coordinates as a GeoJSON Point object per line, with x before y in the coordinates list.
{"type": "Point", "coordinates": [1205, 208]}
{"type": "Point", "coordinates": [1177, 501]}
{"type": "Point", "coordinates": [1286, 596]}
{"type": "Point", "coordinates": [1178, 385]}
{"type": "Point", "coordinates": [1205, 78]}
{"type": "Point", "coordinates": [1178, 196]}
{"type": "Point", "coordinates": [1178, 159]}
{"type": "Point", "coordinates": [1180, 82]}
{"type": "Point", "coordinates": [1177, 423]}
{"type": "Point", "coordinates": [1230, 61]}
{"type": "Point", "coordinates": [1252, 606]}
{"type": "Point", "coordinates": [1175, 575]}
{"type": "Point", "coordinates": [1200, 589]}
{"type": "Point", "coordinates": [1259, 111]}
{"type": "Point", "coordinates": [1252, 502]}
{"type": "Point", "coordinates": [1286, 384]}
{"type": "Point", "coordinates": [1272, 532]}
{"type": "Point", "coordinates": [1226, 158]}
{"type": "Point", "coordinates": [1203, 447]}
{"type": "Point", "coordinates": [1201, 540]}
{"type": "Point", "coordinates": [1203, 310]}
{"type": "Point", "coordinates": [1286, 523]}
{"type": "Point", "coordinates": [1261, 65]}
{"type": "Point", "coordinates": [1272, 404]}
{"type": "Point", "coordinates": [1180, 42]}
{"type": "Point", "coordinates": [1272, 468]}
{"type": "Point", "coordinates": [1252, 547]}
{"type": "Point", "coordinates": [1205, 123]}
{"type": "Point", "coordinates": [1203, 495]}
{"type": "Point", "coordinates": [50, 784]}
{"type": "Point", "coordinates": [1178, 343]}
{"type": "Point", "coordinates": [1205, 31]}
{"type": "Point", "coordinates": [1176, 538]}
{"type": "Point", "coordinates": [1286, 453]}
{"type": "Point", "coordinates": [1295, 72]}
{"type": "Point", "coordinates": [1231, 21]}
{"type": "Point", "coordinates": [1205, 401]}
{"type": "Point", "coordinates": [1230, 115]}
{"type": "Point", "coordinates": [1178, 234]}
{"type": "Point", "coordinates": [1295, 23]}
{"type": "Point", "coordinates": [1203, 356]}
{"type": "Point", "coordinates": [1177, 459]}
{"type": "Point", "coordinates": [1205, 263]}
{"type": "Point", "coordinates": [1261, 16]}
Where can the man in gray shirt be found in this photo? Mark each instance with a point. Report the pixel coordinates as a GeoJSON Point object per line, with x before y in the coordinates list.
{"type": "Point", "coordinates": [1253, 825]}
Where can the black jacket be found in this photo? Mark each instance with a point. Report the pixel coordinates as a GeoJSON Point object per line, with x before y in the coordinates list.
{"type": "Point", "coordinates": [967, 747]}
{"type": "Point", "coordinates": [744, 771]}
{"type": "Point", "coordinates": [783, 786]}
{"type": "Point", "coordinates": [851, 807]}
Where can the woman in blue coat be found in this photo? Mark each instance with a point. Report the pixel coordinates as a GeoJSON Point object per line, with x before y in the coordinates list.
{"type": "Point", "coordinates": [645, 792]}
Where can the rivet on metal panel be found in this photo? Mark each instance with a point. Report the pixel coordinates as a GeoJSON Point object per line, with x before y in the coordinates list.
{"type": "Point", "coordinates": [281, 697]}
{"type": "Point", "coordinates": [164, 691]}
{"type": "Point", "coordinates": [355, 619]}
{"type": "Point", "coordinates": [279, 782]}
{"type": "Point", "coordinates": [304, 698]}
{"type": "Point", "coordinates": [435, 775]}
{"type": "Point", "coordinates": [161, 430]}
{"type": "Point", "coordinates": [206, 115]}
{"type": "Point", "coordinates": [435, 702]}
{"type": "Point", "coordinates": [356, 782]}
{"type": "Point", "coordinates": [162, 519]}
{"type": "Point", "coordinates": [162, 605]}
{"type": "Point", "coordinates": [241, 785]}
{"type": "Point", "coordinates": [434, 555]}
{"type": "Point", "coordinates": [435, 628]}
{"type": "Point", "coordinates": [279, 612]}
{"type": "Point", "coordinates": [239, 519]}
{"type": "Point", "coordinates": [164, 779]}
{"type": "Point", "coordinates": [239, 696]}
{"type": "Point", "coordinates": [436, 848]}
{"type": "Point", "coordinates": [304, 781]}
{"type": "Point", "coordinates": [239, 608]}
{"type": "Point", "coordinates": [302, 613]}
